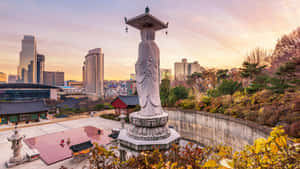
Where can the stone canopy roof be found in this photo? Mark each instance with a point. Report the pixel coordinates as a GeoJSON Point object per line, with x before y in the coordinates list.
{"type": "Point", "coordinates": [146, 20]}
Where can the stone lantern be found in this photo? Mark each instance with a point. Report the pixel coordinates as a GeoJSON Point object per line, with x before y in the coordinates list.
{"type": "Point", "coordinates": [16, 140]}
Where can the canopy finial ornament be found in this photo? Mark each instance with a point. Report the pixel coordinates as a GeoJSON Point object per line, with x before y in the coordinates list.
{"type": "Point", "coordinates": [147, 9]}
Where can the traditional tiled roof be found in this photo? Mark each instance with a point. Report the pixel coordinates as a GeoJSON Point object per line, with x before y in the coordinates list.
{"type": "Point", "coordinates": [26, 85]}
{"type": "Point", "coordinates": [129, 100]}
{"type": "Point", "coordinates": [22, 107]}
{"type": "Point", "coordinates": [81, 146]}
{"type": "Point", "coordinates": [69, 103]}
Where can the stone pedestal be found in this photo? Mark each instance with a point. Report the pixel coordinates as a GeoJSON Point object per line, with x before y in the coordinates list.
{"type": "Point", "coordinates": [148, 133]}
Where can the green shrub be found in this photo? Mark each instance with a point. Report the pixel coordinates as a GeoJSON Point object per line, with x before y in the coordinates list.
{"type": "Point", "coordinates": [109, 116]}
{"type": "Point", "coordinates": [187, 104]}
{"type": "Point", "coordinates": [107, 106]}
{"type": "Point", "coordinates": [137, 108]}
{"type": "Point", "coordinates": [99, 107]}
{"type": "Point", "coordinates": [177, 93]}
{"type": "Point", "coordinates": [213, 93]}
{"type": "Point", "coordinates": [206, 100]}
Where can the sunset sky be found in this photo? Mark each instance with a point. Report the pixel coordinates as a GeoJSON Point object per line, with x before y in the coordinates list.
{"type": "Point", "coordinates": [216, 33]}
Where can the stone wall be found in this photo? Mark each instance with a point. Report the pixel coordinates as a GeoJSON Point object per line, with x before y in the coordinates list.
{"type": "Point", "coordinates": [211, 129]}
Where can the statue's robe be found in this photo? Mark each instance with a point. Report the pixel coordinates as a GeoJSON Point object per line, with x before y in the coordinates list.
{"type": "Point", "coordinates": [148, 75]}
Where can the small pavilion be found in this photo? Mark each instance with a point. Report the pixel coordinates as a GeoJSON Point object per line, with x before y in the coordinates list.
{"type": "Point", "coordinates": [125, 104]}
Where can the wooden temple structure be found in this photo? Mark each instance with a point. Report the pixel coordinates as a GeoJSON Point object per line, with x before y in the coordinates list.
{"type": "Point", "coordinates": [22, 111]}
{"type": "Point", "coordinates": [81, 151]}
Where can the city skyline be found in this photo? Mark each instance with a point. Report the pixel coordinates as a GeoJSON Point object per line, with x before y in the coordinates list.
{"type": "Point", "coordinates": [216, 34]}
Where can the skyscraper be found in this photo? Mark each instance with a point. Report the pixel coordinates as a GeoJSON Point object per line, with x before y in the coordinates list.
{"type": "Point", "coordinates": [40, 68]}
{"type": "Point", "coordinates": [54, 78]}
{"type": "Point", "coordinates": [28, 60]}
{"type": "Point", "coordinates": [93, 72]}
{"type": "Point", "coordinates": [183, 69]}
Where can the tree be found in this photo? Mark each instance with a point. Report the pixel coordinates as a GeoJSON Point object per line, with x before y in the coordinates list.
{"type": "Point", "coordinates": [258, 55]}
{"type": "Point", "coordinates": [287, 71]}
{"type": "Point", "coordinates": [251, 70]}
{"type": "Point", "coordinates": [253, 65]}
{"type": "Point", "coordinates": [177, 93]}
{"type": "Point", "coordinates": [164, 91]}
{"type": "Point", "coordinates": [228, 87]}
{"type": "Point", "coordinates": [259, 83]}
{"type": "Point", "coordinates": [277, 85]}
{"type": "Point", "coordinates": [222, 74]}
{"type": "Point", "coordinates": [196, 75]}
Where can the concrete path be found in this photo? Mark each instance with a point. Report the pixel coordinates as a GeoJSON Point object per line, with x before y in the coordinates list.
{"type": "Point", "coordinates": [55, 120]}
{"type": "Point", "coordinates": [42, 129]}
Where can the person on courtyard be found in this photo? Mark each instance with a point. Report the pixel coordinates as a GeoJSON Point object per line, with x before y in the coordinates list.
{"type": "Point", "coordinates": [62, 142]}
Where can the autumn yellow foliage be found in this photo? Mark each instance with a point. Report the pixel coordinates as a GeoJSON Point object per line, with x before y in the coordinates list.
{"type": "Point", "coordinates": [275, 152]}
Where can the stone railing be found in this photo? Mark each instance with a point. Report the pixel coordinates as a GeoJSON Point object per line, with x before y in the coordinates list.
{"type": "Point", "coordinates": [212, 129]}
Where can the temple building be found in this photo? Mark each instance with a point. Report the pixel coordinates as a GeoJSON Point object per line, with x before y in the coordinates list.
{"type": "Point", "coordinates": [125, 104]}
{"type": "Point", "coordinates": [22, 111]}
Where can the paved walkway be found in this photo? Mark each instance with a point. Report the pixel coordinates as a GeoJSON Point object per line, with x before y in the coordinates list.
{"type": "Point", "coordinates": [42, 129]}
{"type": "Point", "coordinates": [55, 120]}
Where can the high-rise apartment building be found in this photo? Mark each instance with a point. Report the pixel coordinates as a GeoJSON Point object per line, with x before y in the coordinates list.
{"type": "Point", "coordinates": [3, 77]}
{"type": "Point", "coordinates": [54, 78]}
{"type": "Point", "coordinates": [40, 68]}
{"type": "Point", "coordinates": [93, 72]}
{"type": "Point", "coordinates": [183, 69]}
{"type": "Point", "coordinates": [28, 60]}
